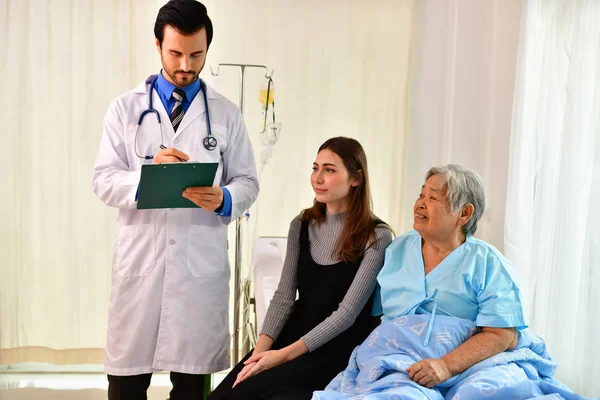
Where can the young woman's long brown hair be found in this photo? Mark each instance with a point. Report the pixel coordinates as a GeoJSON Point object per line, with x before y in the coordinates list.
{"type": "Point", "coordinates": [360, 222]}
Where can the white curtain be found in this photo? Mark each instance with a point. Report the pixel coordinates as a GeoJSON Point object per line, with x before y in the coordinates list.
{"type": "Point", "coordinates": [552, 231]}
{"type": "Point", "coordinates": [341, 68]}
{"type": "Point", "coordinates": [62, 63]}
{"type": "Point", "coordinates": [461, 95]}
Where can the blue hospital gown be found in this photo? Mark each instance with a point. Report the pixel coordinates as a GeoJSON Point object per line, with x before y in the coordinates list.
{"type": "Point", "coordinates": [474, 282]}
{"type": "Point", "coordinates": [473, 286]}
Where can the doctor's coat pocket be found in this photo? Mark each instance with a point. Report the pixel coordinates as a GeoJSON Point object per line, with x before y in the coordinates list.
{"type": "Point", "coordinates": [135, 253]}
{"type": "Point", "coordinates": [207, 251]}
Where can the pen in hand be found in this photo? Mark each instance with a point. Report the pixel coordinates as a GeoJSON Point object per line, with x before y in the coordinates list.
{"type": "Point", "coordinates": [162, 146]}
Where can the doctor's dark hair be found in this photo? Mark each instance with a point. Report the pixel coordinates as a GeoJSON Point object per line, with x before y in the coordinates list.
{"type": "Point", "coordinates": [186, 16]}
{"type": "Point", "coordinates": [360, 222]}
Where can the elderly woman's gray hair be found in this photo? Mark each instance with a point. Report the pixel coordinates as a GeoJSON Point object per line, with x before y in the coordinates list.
{"type": "Point", "coordinates": [463, 186]}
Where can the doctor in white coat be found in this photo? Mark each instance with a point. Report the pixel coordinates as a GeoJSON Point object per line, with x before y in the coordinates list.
{"type": "Point", "coordinates": [170, 277]}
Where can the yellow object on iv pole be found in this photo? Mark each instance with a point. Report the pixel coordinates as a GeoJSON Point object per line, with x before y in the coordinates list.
{"type": "Point", "coordinates": [267, 93]}
{"type": "Point", "coordinates": [267, 97]}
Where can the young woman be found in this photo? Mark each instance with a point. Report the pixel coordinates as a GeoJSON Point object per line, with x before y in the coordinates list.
{"type": "Point", "coordinates": [335, 251]}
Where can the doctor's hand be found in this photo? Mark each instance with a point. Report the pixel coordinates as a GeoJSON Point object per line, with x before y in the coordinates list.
{"type": "Point", "coordinates": [429, 372]}
{"type": "Point", "coordinates": [209, 198]}
{"type": "Point", "coordinates": [169, 155]}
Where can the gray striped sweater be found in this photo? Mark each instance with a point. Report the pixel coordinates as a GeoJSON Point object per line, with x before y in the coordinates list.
{"type": "Point", "coordinates": [323, 240]}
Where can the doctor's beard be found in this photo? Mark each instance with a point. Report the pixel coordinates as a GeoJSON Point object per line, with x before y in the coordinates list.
{"type": "Point", "coordinates": [177, 76]}
{"type": "Point", "coordinates": [182, 78]}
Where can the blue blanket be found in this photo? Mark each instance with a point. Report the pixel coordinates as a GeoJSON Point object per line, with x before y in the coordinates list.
{"type": "Point", "coordinates": [377, 368]}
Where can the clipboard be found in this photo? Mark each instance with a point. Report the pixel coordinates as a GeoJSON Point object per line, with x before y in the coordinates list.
{"type": "Point", "coordinates": [161, 185]}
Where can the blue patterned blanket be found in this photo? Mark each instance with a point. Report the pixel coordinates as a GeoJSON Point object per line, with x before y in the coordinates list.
{"type": "Point", "coordinates": [377, 368]}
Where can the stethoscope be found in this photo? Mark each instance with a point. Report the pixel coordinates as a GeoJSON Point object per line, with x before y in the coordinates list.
{"type": "Point", "coordinates": [210, 142]}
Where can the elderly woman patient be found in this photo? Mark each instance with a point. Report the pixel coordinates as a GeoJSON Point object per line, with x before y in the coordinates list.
{"type": "Point", "coordinates": [452, 319]}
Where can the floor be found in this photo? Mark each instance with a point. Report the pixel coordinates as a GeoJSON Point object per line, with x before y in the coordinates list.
{"type": "Point", "coordinates": [73, 386]}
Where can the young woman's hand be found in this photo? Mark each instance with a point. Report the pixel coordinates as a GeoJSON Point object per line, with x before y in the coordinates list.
{"type": "Point", "coordinates": [243, 373]}
{"type": "Point", "coordinates": [262, 362]}
{"type": "Point", "coordinates": [268, 359]}
{"type": "Point", "coordinates": [265, 342]}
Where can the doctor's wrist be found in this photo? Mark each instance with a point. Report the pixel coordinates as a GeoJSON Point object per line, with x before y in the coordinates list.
{"type": "Point", "coordinates": [220, 208]}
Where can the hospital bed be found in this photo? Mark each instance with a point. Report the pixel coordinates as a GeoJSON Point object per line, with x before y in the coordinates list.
{"type": "Point", "coordinates": [268, 256]}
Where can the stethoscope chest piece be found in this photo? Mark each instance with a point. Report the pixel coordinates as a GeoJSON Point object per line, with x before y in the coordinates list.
{"type": "Point", "coordinates": [210, 143]}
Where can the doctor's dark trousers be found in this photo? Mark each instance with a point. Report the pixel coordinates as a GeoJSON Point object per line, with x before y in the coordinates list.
{"type": "Point", "coordinates": [185, 387]}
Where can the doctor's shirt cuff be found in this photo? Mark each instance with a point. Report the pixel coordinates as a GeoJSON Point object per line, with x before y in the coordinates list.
{"type": "Point", "coordinates": [225, 209]}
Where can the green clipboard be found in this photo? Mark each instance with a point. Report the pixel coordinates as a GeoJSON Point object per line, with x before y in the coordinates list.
{"type": "Point", "coordinates": [161, 185]}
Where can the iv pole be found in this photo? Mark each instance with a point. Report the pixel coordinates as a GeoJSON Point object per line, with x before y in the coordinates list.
{"type": "Point", "coordinates": [238, 223]}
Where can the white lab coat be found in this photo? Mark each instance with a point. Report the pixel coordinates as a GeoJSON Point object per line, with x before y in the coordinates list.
{"type": "Point", "coordinates": [170, 276]}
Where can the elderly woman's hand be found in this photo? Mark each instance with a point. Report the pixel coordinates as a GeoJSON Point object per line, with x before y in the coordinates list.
{"type": "Point", "coordinates": [429, 372]}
